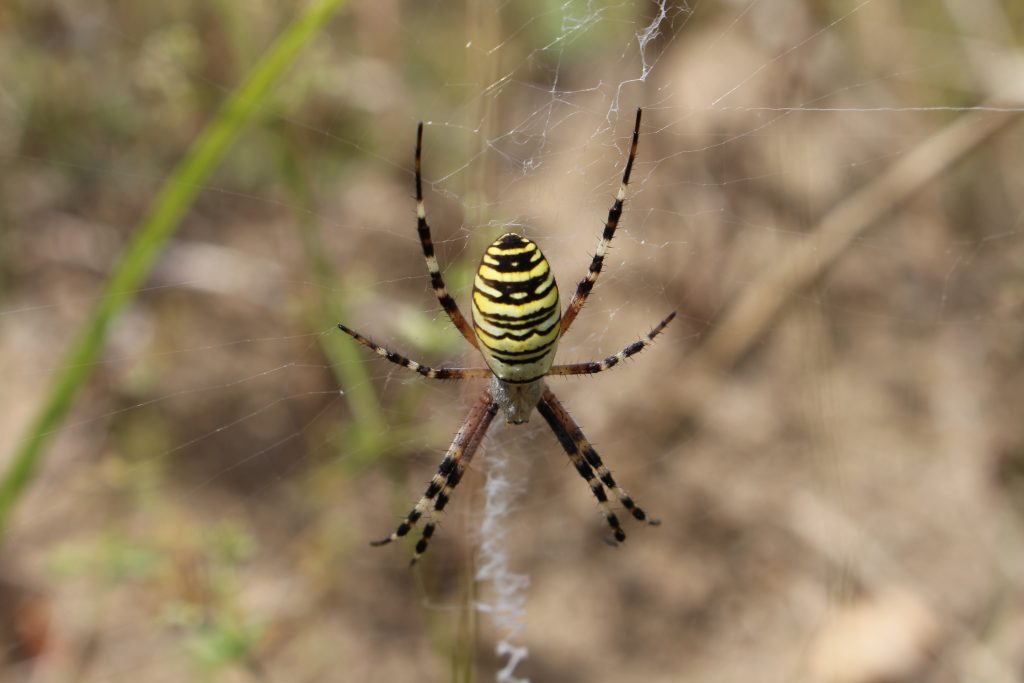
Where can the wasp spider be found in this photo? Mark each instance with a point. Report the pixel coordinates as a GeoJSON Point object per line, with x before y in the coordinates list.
{"type": "Point", "coordinates": [517, 322]}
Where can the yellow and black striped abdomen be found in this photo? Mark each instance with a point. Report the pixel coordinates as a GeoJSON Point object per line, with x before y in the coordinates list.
{"type": "Point", "coordinates": [516, 312]}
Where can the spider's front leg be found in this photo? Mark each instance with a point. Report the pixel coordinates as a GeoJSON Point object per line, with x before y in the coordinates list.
{"type": "Point", "coordinates": [586, 285]}
{"type": "Point", "coordinates": [449, 473]}
{"type": "Point", "coordinates": [426, 241]}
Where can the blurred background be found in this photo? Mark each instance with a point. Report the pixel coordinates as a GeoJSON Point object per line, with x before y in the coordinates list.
{"type": "Point", "coordinates": [837, 456]}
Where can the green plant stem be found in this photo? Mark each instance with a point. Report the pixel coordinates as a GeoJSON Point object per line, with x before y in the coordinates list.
{"type": "Point", "coordinates": [370, 428]}
{"type": "Point", "coordinates": [170, 206]}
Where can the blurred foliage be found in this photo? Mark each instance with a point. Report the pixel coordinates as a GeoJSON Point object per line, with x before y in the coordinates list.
{"type": "Point", "coordinates": [204, 509]}
{"type": "Point", "coordinates": [160, 223]}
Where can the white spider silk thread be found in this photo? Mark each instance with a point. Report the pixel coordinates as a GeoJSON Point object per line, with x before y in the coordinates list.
{"type": "Point", "coordinates": [509, 602]}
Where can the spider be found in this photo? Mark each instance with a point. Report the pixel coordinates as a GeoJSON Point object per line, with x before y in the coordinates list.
{"type": "Point", "coordinates": [517, 322]}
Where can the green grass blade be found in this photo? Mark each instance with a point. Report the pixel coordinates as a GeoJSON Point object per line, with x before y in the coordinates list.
{"type": "Point", "coordinates": [168, 209]}
{"type": "Point", "coordinates": [370, 436]}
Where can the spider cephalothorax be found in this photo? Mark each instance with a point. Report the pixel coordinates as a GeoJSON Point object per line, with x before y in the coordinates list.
{"type": "Point", "coordinates": [517, 322]}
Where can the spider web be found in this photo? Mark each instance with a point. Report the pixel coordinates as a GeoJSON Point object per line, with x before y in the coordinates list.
{"type": "Point", "coordinates": [820, 474]}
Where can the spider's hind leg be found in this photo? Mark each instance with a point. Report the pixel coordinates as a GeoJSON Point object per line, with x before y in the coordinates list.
{"type": "Point", "coordinates": [448, 475]}
{"type": "Point", "coordinates": [587, 461]}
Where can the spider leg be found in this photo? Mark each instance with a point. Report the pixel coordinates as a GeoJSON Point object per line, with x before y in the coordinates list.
{"type": "Point", "coordinates": [611, 361]}
{"type": "Point", "coordinates": [587, 283]}
{"type": "Point", "coordinates": [453, 480]}
{"type": "Point", "coordinates": [426, 371]}
{"type": "Point", "coordinates": [436, 280]}
{"type": "Point", "coordinates": [564, 426]}
{"type": "Point", "coordinates": [564, 434]}
{"type": "Point", "coordinates": [449, 473]}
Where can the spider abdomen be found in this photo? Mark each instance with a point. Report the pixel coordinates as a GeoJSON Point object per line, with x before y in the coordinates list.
{"type": "Point", "coordinates": [516, 311]}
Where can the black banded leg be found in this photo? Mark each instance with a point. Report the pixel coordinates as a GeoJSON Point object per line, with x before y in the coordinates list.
{"type": "Point", "coordinates": [466, 440]}
{"type": "Point", "coordinates": [463, 438]}
{"type": "Point", "coordinates": [584, 469]}
{"type": "Point", "coordinates": [452, 481]}
{"type": "Point", "coordinates": [552, 405]}
{"type": "Point", "coordinates": [426, 371]}
{"type": "Point", "coordinates": [611, 361]}
{"type": "Point", "coordinates": [436, 280]}
{"type": "Point", "coordinates": [597, 263]}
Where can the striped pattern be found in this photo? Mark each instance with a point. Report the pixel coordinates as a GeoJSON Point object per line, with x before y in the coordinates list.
{"type": "Point", "coordinates": [587, 462]}
{"type": "Point", "coordinates": [423, 229]}
{"type": "Point", "coordinates": [583, 468]}
{"type": "Point", "coordinates": [516, 325]}
{"type": "Point", "coordinates": [614, 214]}
{"type": "Point", "coordinates": [472, 444]}
{"type": "Point", "coordinates": [516, 311]}
{"type": "Point", "coordinates": [406, 362]}
{"type": "Point", "coordinates": [610, 362]}
{"type": "Point", "coordinates": [449, 474]}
